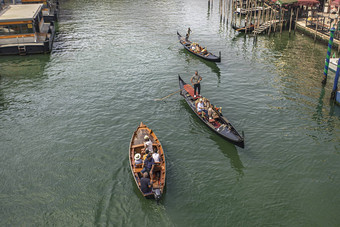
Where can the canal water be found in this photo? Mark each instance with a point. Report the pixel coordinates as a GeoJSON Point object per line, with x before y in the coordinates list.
{"type": "Point", "coordinates": [66, 120]}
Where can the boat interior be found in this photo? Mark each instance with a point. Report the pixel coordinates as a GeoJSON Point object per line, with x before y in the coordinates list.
{"type": "Point", "coordinates": [157, 177]}
{"type": "Point", "coordinates": [214, 118]}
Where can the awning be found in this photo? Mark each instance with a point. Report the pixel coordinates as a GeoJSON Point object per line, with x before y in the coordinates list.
{"type": "Point", "coordinates": [296, 2]}
{"type": "Point", "coordinates": [335, 3]}
{"type": "Point", "coordinates": [307, 2]}
{"type": "Point", "coordinates": [284, 2]}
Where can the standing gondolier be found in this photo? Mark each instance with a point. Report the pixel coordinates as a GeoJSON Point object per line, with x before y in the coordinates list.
{"type": "Point", "coordinates": [188, 34]}
{"type": "Point", "coordinates": [196, 82]}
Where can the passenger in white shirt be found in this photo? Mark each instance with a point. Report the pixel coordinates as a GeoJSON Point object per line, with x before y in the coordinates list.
{"type": "Point", "coordinates": [148, 144]}
{"type": "Point", "coordinates": [200, 107]}
{"type": "Point", "coordinates": [156, 157]}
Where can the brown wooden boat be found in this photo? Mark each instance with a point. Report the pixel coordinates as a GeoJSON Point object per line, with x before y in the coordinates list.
{"type": "Point", "coordinates": [157, 177]}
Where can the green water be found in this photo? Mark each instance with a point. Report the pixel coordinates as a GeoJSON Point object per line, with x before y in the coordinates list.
{"type": "Point", "coordinates": [66, 120]}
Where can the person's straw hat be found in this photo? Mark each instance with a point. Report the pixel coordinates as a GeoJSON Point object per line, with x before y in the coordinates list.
{"type": "Point", "coordinates": [146, 137]}
{"type": "Point", "coordinates": [137, 156]}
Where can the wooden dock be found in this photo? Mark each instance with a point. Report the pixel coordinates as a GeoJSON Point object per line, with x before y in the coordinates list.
{"type": "Point", "coordinates": [243, 11]}
{"type": "Point", "coordinates": [263, 27]}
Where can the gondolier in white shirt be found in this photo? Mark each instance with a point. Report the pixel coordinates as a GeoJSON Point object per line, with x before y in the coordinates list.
{"type": "Point", "coordinates": [195, 81]}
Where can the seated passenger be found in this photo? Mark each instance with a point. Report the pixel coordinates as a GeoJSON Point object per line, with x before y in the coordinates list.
{"type": "Point", "coordinates": [148, 164]}
{"type": "Point", "coordinates": [204, 51]}
{"type": "Point", "coordinates": [198, 49]}
{"type": "Point", "coordinates": [146, 154]}
{"type": "Point", "coordinates": [208, 106]}
{"type": "Point", "coordinates": [201, 108]}
{"type": "Point", "coordinates": [145, 184]}
{"type": "Point", "coordinates": [156, 156]}
{"type": "Point", "coordinates": [138, 160]}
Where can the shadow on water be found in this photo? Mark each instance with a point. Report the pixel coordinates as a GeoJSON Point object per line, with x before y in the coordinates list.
{"type": "Point", "coordinates": [212, 65]}
{"type": "Point", "coordinates": [318, 114]}
{"type": "Point", "coordinates": [228, 149]}
{"type": "Point", "coordinates": [334, 111]}
{"type": "Point", "coordinates": [208, 14]}
{"type": "Point", "coordinates": [23, 66]}
{"type": "Point", "coordinates": [3, 103]}
{"type": "Point", "coordinates": [19, 68]}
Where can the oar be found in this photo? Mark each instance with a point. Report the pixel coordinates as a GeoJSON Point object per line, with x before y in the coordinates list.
{"type": "Point", "coordinates": [168, 95]}
{"type": "Point", "coordinates": [240, 29]}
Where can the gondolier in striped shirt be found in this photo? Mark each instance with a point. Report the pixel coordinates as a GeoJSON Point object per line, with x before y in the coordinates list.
{"type": "Point", "coordinates": [196, 82]}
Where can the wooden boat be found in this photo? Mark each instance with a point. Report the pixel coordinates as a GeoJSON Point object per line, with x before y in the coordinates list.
{"type": "Point", "coordinates": [219, 124]}
{"type": "Point", "coordinates": [250, 28]}
{"type": "Point", "coordinates": [209, 56]}
{"type": "Point", "coordinates": [158, 176]}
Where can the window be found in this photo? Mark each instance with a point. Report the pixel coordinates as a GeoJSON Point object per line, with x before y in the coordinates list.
{"type": "Point", "coordinates": [4, 30]}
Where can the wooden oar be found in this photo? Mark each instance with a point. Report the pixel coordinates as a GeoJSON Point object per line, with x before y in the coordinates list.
{"type": "Point", "coordinates": [168, 95]}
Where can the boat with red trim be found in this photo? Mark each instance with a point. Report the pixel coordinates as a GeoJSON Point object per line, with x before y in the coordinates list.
{"type": "Point", "coordinates": [217, 123]}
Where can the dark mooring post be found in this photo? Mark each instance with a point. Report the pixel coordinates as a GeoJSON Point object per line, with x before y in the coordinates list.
{"type": "Point", "coordinates": [329, 50]}
{"type": "Point", "coordinates": [281, 19]}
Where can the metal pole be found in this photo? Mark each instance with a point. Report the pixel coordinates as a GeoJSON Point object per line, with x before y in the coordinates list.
{"type": "Point", "coordinates": [329, 50]}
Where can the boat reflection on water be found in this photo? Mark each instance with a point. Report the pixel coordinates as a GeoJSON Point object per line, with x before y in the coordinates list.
{"type": "Point", "coordinates": [23, 67]}
{"type": "Point", "coordinates": [229, 150]}
{"type": "Point", "coordinates": [212, 65]}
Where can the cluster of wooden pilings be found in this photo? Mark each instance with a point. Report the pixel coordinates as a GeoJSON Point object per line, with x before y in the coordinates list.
{"type": "Point", "coordinates": [257, 16]}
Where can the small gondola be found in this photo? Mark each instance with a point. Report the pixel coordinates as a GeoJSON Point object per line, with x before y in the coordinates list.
{"type": "Point", "coordinates": [157, 178]}
{"type": "Point", "coordinates": [250, 28]}
{"type": "Point", "coordinates": [209, 56]}
{"type": "Point", "coordinates": [219, 124]}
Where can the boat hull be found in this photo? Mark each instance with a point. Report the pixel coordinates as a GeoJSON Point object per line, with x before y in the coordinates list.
{"type": "Point", "coordinates": [186, 45]}
{"type": "Point", "coordinates": [222, 126]}
{"type": "Point", "coordinates": [136, 146]}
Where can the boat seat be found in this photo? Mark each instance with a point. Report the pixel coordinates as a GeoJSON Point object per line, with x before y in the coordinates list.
{"type": "Point", "coordinates": [137, 170]}
{"type": "Point", "coordinates": [137, 145]}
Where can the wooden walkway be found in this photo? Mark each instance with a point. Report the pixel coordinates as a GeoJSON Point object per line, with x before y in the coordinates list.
{"type": "Point", "coordinates": [301, 26]}
{"type": "Point", "coordinates": [263, 27]}
{"type": "Point", "coordinates": [245, 11]}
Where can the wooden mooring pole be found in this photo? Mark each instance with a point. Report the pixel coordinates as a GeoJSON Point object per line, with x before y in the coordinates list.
{"type": "Point", "coordinates": [316, 28]}
{"type": "Point", "coordinates": [290, 21]}
{"type": "Point", "coordinates": [296, 19]}
{"type": "Point", "coordinates": [281, 19]}
{"type": "Point", "coordinates": [271, 20]}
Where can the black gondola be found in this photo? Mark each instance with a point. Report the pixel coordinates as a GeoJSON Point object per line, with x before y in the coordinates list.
{"type": "Point", "coordinates": [219, 124]}
{"type": "Point", "coordinates": [209, 56]}
{"type": "Point", "coordinates": [250, 28]}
